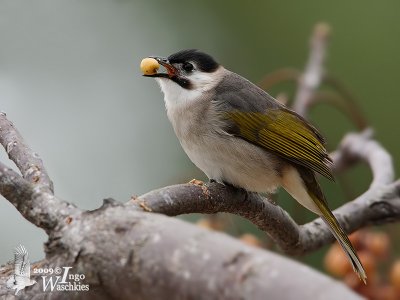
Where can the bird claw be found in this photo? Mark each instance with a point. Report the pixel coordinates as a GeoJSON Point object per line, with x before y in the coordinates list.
{"type": "Point", "coordinates": [196, 182]}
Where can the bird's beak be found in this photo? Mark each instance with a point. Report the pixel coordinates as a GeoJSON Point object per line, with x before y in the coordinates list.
{"type": "Point", "coordinates": [171, 70]}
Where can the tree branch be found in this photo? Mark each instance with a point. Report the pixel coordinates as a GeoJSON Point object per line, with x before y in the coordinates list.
{"type": "Point", "coordinates": [314, 71]}
{"type": "Point", "coordinates": [27, 161]}
{"type": "Point", "coordinates": [350, 102]}
{"type": "Point", "coordinates": [279, 76]}
{"type": "Point", "coordinates": [342, 104]}
{"type": "Point", "coordinates": [33, 194]}
{"type": "Point", "coordinates": [356, 147]}
{"type": "Point", "coordinates": [378, 205]}
{"type": "Point", "coordinates": [128, 254]}
{"type": "Point", "coordinates": [123, 251]}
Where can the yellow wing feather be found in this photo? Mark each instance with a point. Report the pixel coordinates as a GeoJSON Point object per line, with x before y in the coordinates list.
{"type": "Point", "coordinates": [283, 132]}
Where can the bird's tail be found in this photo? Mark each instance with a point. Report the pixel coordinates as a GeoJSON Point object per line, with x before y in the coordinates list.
{"type": "Point", "coordinates": [342, 238]}
{"type": "Point", "coordinates": [301, 183]}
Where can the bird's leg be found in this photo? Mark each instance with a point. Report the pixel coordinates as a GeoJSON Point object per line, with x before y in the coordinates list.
{"type": "Point", "coordinates": [241, 190]}
{"type": "Point", "coordinates": [231, 185]}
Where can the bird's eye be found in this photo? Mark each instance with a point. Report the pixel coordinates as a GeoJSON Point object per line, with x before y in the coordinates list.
{"type": "Point", "coordinates": [187, 67]}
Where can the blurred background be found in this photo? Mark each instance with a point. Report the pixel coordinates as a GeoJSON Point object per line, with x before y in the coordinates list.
{"type": "Point", "coordinates": [70, 81]}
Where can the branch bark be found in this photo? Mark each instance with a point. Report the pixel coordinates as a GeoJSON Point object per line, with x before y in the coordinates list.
{"type": "Point", "coordinates": [27, 161]}
{"type": "Point", "coordinates": [137, 255]}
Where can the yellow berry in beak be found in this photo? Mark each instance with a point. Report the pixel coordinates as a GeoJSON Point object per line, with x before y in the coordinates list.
{"type": "Point", "coordinates": [149, 66]}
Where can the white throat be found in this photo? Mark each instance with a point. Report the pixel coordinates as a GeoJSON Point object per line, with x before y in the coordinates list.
{"type": "Point", "coordinates": [176, 96]}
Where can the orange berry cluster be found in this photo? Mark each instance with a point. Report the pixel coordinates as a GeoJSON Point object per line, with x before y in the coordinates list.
{"type": "Point", "coordinates": [373, 249]}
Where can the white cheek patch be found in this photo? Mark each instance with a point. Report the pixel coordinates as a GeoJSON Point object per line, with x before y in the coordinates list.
{"type": "Point", "coordinates": [203, 81]}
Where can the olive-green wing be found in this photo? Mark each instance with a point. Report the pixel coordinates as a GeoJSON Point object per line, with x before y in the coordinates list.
{"type": "Point", "coordinates": [286, 134]}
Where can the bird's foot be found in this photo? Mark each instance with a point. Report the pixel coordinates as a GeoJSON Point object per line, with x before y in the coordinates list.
{"type": "Point", "coordinates": [196, 182]}
{"type": "Point", "coordinates": [230, 185]}
{"type": "Point", "coordinates": [242, 190]}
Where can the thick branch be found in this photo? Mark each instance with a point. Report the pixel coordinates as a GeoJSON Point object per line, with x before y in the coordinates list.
{"type": "Point", "coordinates": [378, 205]}
{"type": "Point", "coordinates": [128, 254]}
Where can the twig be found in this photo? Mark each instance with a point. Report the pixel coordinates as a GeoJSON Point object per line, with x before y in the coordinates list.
{"type": "Point", "coordinates": [361, 147]}
{"type": "Point", "coordinates": [279, 76]}
{"type": "Point", "coordinates": [27, 161]}
{"type": "Point", "coordinates": [351, 103]}
{"type": "Point", "coordinates": [341, 104]}
{"type": "Point", "coordinates": [314, 71]}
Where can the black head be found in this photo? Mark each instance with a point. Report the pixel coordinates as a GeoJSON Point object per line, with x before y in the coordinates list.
{"type": "Point", "coordinates": [203, 61]}
{"type": "Point", "coordinates": [183, 66]}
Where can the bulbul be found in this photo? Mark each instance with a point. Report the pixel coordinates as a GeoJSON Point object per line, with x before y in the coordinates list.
{"type": "Point", "coordinates": [238, 134]}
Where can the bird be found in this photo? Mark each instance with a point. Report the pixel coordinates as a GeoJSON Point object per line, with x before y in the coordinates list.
{"type": "Point", "coordinates": [239, 135]}
{"type": "Point", "coordinates": [22, 271]}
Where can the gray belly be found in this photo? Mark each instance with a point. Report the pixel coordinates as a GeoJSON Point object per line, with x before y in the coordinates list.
{"type": "Point", "coordinates": [233, 160]}
{"type": "Point", "coordinates": [220, 156]}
